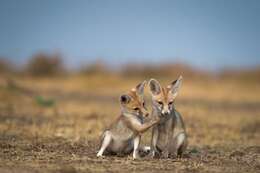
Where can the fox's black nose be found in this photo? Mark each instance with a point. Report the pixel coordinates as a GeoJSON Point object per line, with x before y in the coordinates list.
{"type": "Point", "coordinates": [146, 114]}
{"type": "Point", "coordinates": [166, 112]}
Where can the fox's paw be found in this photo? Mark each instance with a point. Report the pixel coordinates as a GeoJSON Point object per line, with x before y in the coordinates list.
{"type": "Point", "coordinates": [136, 157]}
{"type": "Point", "coordinates": [146, 149]}
{"type": "Point", "coordinates": [153, 154]}
{"type": "Point", "coordinates": [99, 155]}
{"type": "Point", "coordinates": [165, 154]}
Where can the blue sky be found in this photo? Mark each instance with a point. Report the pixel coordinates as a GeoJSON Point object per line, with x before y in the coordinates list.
{"type": "Point", "coordinates": [210, 34]}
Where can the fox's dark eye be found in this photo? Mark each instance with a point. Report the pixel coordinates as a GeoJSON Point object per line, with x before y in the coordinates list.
{"type": "Point", "coordinates": [136, 109]}
{"type": "Point", "coordinates": [160, 103]}
{"type": "Point", "coordinates": [170, 103]}
{"type": "Point", "coordinates": [143, 104]}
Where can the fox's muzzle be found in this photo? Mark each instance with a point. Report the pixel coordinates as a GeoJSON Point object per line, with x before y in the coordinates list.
{"type": "Point", "coordinates": [165, 110]}
{"type": "Point", "coordinates": [145, 113]}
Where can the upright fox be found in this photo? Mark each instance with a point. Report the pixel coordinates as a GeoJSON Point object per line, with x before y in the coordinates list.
{"type": "Point", "coordinates": [169, 135]}
{"type": "Point", "coordinates": [125, 133]}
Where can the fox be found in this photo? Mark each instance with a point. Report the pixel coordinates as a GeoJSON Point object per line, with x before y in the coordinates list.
{"type": "Point", "coordinates": [124, 135]}
{"type": "Point", "coordinates": [169, 137]}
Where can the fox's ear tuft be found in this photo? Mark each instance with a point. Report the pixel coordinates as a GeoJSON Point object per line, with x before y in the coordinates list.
{"type": "Point", "coordinates": [140, 88]}
{"type": "Point", "coordinates": [175, 87]}
{"type": "Point", "coordinates": [155, 87]}
{"type": "Point", "coordinates": [124, 99]}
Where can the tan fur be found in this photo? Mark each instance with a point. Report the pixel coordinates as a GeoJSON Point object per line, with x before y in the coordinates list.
{"type": "Point", "coordinates": [169, 135]}
{"type": "Point", "coordinates": [124, 134]}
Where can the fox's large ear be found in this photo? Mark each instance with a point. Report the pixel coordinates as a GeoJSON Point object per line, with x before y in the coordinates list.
{"type": "Point", "coordinates": [155, 87]}
{"type": "Point", "coordinates": [175, 87]}
{"type": "Point", "coordinates": [124, 99]}
{"type": "Point", "coordinates": [140, 88]}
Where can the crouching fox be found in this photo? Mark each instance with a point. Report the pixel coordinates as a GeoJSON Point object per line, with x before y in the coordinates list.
{"type": "Point", "coordinates": [124, 135]}
{"type": "Point", "coordinates": [169, 135]}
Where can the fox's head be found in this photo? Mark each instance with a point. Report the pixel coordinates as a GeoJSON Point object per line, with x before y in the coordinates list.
{"type": "Point", "coordinates": [163, 97]}
{"type": "Point", "coordinates": [133, 101]}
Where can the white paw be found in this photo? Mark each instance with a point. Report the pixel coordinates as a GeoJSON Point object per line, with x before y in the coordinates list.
{"type": "Point", "coordinates": [136, 156]}
{"type": "Point", "coordinates": [99, 154]}
{"type": "Point", "coordinates": [146, 149]}
{"type": "Point", "coordinates": [152, 154]}
{"type": "Point", "coordinates": [165, 154]}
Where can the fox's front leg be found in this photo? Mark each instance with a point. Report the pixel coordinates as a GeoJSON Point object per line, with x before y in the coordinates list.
{"type": "Point", "coordinates": [181, 144]}
{"type": "Point", "coordinates": [107, 138]}
{"type": "Point", "coordinates": [169, 138]}
{"type": "Point", "coordinates": [139, 128]}
{"type": "Point", "coordinates": [165, 152]}
{"type": "Point", "coordinates": [155, 136]}
{"type": "Point", "coordinates": [136, 147]}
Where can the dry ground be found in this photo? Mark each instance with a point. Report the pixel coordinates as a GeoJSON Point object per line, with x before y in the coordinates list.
{"type": "Point", "coordinates": [222, 119]}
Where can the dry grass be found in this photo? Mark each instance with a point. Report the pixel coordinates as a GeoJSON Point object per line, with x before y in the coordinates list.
{"type": "Point", "coordinates": [222, 119]}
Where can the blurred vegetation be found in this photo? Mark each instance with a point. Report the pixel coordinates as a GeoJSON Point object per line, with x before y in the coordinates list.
{"type": "Point", "coordinates": [45, 102]}
{"type": "Point", "coordinates": [52, 65]}
{"type": "Point", "coordinates": [247, 75]}
{"type": "Point", "coordinates": [161, 70]}
{"type": "Point", "coordinates": [43, 64]}
{"type": "Point", "coordinates": [94, 68]}
{"type": "Point", "coordinates": [6, 66]}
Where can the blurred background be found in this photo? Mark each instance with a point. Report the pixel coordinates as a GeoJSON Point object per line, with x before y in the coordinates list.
{"type": "Point", "coordinates": [64, 64]}
{"type": "Point", "coordinates": [206, 35]}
